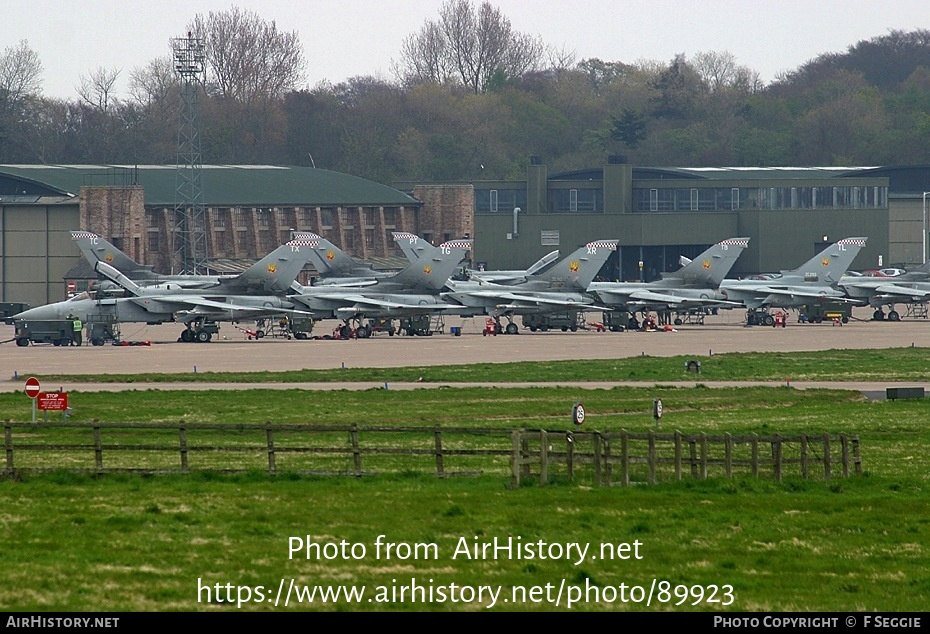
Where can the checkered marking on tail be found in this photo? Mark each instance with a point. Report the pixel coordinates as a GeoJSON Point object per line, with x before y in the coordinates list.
{"type": "Point", "coordinates": [858, 242]}
{"type": "Point", "coordinates": [459, 244]}
{"type": "Point", "coordinates": [735, 243]}
{"type": "Point", "coordinates": [303, 243]}
{"type": "Point", "coordinates": [603, 244]}
{"type": "Point", "coordinates": [79, 235]}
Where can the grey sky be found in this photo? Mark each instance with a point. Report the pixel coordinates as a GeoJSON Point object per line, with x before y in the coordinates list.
{"type": "Point", "coordinates": [361, 37]}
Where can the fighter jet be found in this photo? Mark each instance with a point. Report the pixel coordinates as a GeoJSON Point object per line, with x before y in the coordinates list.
{"type": "Point", "coordinates": [559, 289]}
{"type": "Point", "coordinates": [97, 249]}
{"type": "Point", "coordinates": [813, 282]}
{"type": "Point", "coordinates": [415, 290]}
{"type": "Point", "coordinates": [269, 279]}
{"type": "Point", "coordinates": [335, 266]}
{"type": "Point", "coordinates": [911, 287]}
{"type": "Point", "coordinates": [414, 247]}
{"type": "Point", "coordinates": [694, 285]}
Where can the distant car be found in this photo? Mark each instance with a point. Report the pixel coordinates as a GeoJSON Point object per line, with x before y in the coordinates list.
{"type": "Point", "coordinates": [890, 272]}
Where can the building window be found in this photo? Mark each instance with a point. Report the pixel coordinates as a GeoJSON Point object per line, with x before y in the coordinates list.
{"type": "Point", "coordinates": [653, 200]}
{"type": "Point", "coordinates": [369, 237]}
{"type": "Point", "coordinates": [327, 217]}
{"type": "Point", "coordinates": [694, 199]}
{"type": "Point", "coordinates": [390, 217]}
{"type": "Point", "coordinates": [573, 200]}
{"type": "Point", "coordinates": [264, 218]}
{"type": "Point", "coordinates": [345, 217]}
{"type": "Point", "coordinates": [348, 240]}
{"type": "Point", "coordinates": [305, 218]}
{"type": "Point", "coordinates": [371, 217]}
{"type": "Point", "coordinates": [242, 219]}
{"type": "Point", "coordinates": [154, 241]}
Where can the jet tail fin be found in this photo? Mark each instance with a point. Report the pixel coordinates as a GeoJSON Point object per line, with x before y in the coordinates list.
{"type": "Point", "coordinates": [580, 268]}
{"type": "Point", "coordinates": [431, 272]}
{"type": "Point", "coordinates": [709, 268]}
{"type": "Point", "coordinates": [830, 264]}
{"type": "Point", "coordinates": [276, 272]}
{"type": "Point", "coordinates": [96, 249]}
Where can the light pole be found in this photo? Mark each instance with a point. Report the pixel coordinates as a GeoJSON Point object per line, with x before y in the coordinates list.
{"type": "Point", "coordinates": [923, 255]}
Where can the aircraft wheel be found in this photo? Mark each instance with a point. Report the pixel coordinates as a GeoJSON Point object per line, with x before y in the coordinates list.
{"type": "Point", "coordinates": [203, 336]}
{"type": "Point", "coordinates": [23, 342]}
{"type": "Point", "coordinates": [96, 341]}
{"type": "Point", "coordinates": [511, 329]}
{"type": "Point", "coordinates": [845, 320]}
{"type": "Point", "coordinates": [878, 315]}
{"type": "Point", "coordinates": [362, 332]}
{"type": "Point", "coordinates": [56, 342]}
{"type": "Point", "coordinates": [769, 320]}
{"type": "Point", "coordinates": [391, 332]}
{"type": "Point", "coordinates": [894, 316]}
{"type": "Point", "coordinates": [259, 334]}
{"type": "Point", "coordinates": [187, 335]}
{"type": "Point", "coordinates": [678, 321]}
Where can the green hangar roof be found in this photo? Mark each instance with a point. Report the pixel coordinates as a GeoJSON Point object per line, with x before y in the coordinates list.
{"type": "Point", "coordinates": [222, 184]}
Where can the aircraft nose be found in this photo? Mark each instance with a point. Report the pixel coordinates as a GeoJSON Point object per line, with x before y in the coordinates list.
{"type": "Point", "coordinates": [38, 313]}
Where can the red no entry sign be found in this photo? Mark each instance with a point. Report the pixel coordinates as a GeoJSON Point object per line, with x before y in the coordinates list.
{"type": "Point", "coordinates": [32, 387]}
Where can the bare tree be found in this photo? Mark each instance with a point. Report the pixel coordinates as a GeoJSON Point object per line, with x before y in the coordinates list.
{"type": "Point", "coordinates": [20, 72]}
{"type": "Point", "coordinates": [719, 70]}
{"type": "Point", "coordinates": [96, 89]}
{"type": "Point", "coordinates": [470, 46]}
{"type": "Point", "coordinates": [247, 57]}
{"type": "Point", "coordinates": [154, 83]}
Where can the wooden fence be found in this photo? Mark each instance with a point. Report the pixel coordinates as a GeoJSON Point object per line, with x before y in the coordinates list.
{"type": "Point", "coordinates": [603, 458]}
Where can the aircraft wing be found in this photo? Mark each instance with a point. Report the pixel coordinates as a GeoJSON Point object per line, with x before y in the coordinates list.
{"type": "Point", "coordinates": [800, 291]}
{"type": "Point", "coordinates": [190, 304]}
{"type": "Point", "coordinates": [891, 291]}
{"type": "Point", "coordinates": [523, 300]}
{"type": "Point", "coordinates": [361, 303]}
{"type": "Point", "coordinates": [645, 298]}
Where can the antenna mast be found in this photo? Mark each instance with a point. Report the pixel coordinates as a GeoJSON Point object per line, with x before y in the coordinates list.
{"type": "Point", "coordinates": [190, 242]}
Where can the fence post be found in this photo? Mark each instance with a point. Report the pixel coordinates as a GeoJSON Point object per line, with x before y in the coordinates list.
{"type": "Point", "coordinates": [269, 439]}
{"type": "Point", "coordinates": [624, 457]}
{"type": "Point", "coordinates": [728, 454]}
{"type": "Point", "coordinates": [437, 442]}
{"type": "Point", "coordinates": [98, 449]}
{"type": "Point", "coordinates": [597, 460]}
{"type": "Point", "coordinates": [856, 457]}
{"type": "Point", "coordinates": [776, 446]}
{"type": "Point", "coordinates": [356, 452]}
{"type": "Point", "coordinates": [827, 467]}
{"type": "Point", "coordinates": [8, 441]}
{"type": "Point", "coordinates": [678, 455]}
{"type": "Point", "coordinates": [652, 457]}
{"type": "Point", "coordinates": [515, 465]}
{"type": "Point", "coordinates": [543, 456]}
{"type": "Point", "coordinates": [844, 443]}
{"type": "Point", "coordinates": [804, 455]}
{"type": "Point", "coordinates": [755, 455]}
{"type": "Point", "coordinates": [570, 454]}
{"type": "Point", "coordinates": [182, 441]}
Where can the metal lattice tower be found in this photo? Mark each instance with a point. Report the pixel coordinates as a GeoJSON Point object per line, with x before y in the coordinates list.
{"type": "Point", "coordinates": [190, 241]}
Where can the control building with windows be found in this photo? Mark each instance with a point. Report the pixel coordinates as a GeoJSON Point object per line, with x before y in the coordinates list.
{"type": "Point", "coordinates": [659, 214]}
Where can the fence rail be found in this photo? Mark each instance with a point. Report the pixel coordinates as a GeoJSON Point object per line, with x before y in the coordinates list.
{"type": "Point", "coordinates": [603, 457]}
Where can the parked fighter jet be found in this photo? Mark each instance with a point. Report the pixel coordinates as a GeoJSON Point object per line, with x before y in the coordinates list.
{"type": "Point", "coordinates": [411, 291]}
{"type": "Point", "coordinates": [97, 249]}
{"type": "Point", "coordinates": [335, 266]}
{"type": "Point", "coordinates": [414, 247]}
{"type": "Point", "coordinates": [813, 282]}
{"type": "Point", "coordinates": [694, 285]}
{"type": "Point", "coordinates": [910, 287]}
{"type": "Point", "coordinates": [558, 289]}
{"type": "Point", "coordinates": [199, 309]}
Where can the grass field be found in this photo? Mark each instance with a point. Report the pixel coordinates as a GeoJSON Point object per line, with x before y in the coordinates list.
{"type": "Point", "coordinates": [76, 542]}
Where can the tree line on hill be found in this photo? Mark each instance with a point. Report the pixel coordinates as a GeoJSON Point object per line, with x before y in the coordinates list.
{"type": "Point", "coordinates": [472, 99]}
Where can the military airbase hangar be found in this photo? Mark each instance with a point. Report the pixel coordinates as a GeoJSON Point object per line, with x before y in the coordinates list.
{"type": "Point", "coordinates": [657, 214]}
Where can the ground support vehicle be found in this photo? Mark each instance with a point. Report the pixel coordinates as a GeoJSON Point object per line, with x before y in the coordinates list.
{"type": "Point", "coordinates": [759, 317]}
{"type": "Point", "coordinates": [102, 328]}
{"type": "Point", "coordinates": [381, 325]}
{"type": "Point", "coordinates": [59, 332]}
{"type": "Point", "coordinates": [620, 320]}
{"type": "Point", "coordinates": [552, 321]}
{"type": "Point", "coordinates": [202, 331]}
{"type": "Point", "coordinates": [829, 311]}
{"type": "Point", "coordinates": [416, 325]}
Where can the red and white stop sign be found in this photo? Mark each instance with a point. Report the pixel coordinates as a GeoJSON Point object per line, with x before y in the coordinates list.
{"type": "Point", "coordinates": [32, 387]}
